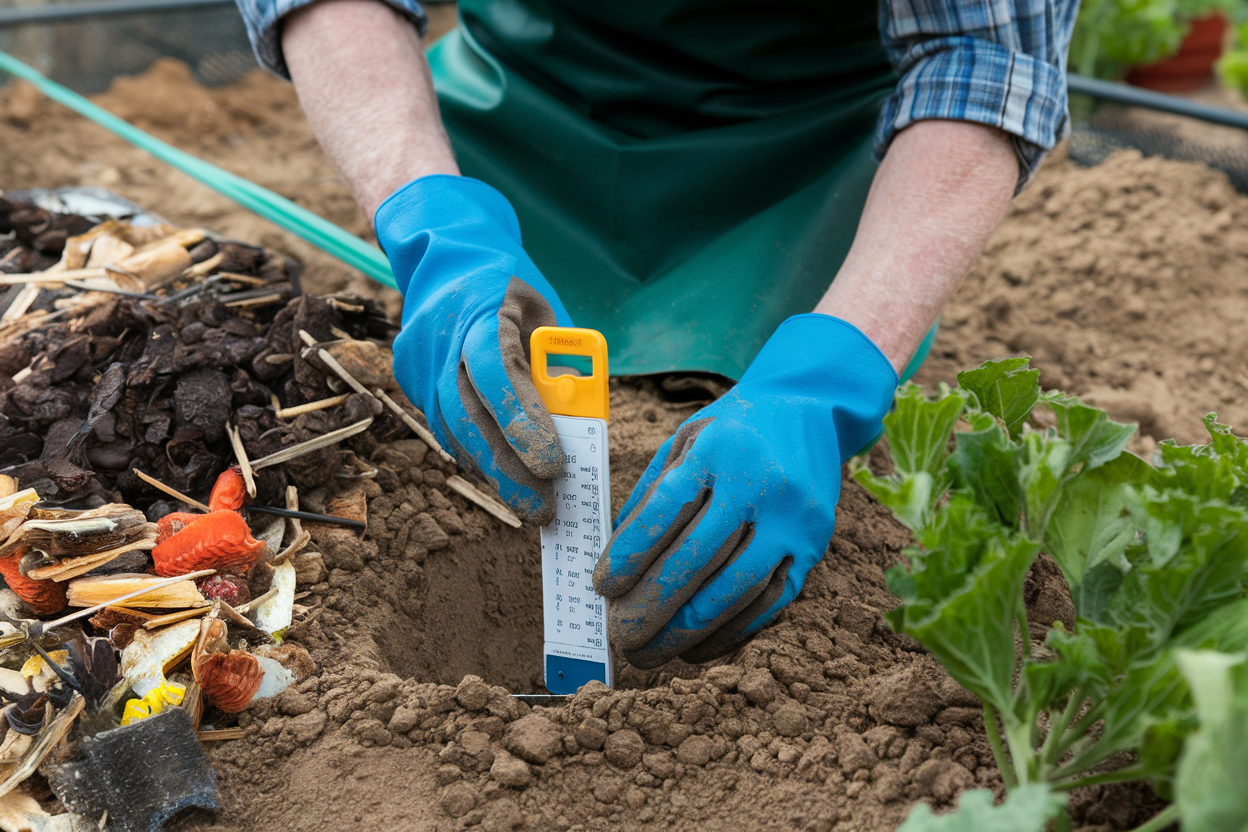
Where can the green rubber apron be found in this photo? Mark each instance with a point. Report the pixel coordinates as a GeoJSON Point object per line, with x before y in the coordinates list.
{"type": "Point", "coordinates": [687, 173]}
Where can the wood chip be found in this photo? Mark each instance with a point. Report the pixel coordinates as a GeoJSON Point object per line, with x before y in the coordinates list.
{"type": "Point", "coordinates": [416, 427]}
{"type": "Point", "coordinates": [296, 451]}
{"type": "Point", "coordinates": [193, 703]}
{"type": "Point", "coordinates": [67, 569]}
{"type": "Point", "coordinates": [172, 492]}
{"type": "Point", "coordinates": [240, 454]}
{"type": "Point", "coordinates": [474, 495]}
{"type": "Point", "coordinates": [221, 734]}
{"type": "Point", "coordinates": [299, 410]}
{"type": "Point", "coordinates": [145, 591]}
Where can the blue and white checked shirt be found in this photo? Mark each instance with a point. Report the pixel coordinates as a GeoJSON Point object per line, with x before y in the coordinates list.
{"type": "Point", "coordinates": [995, 62]}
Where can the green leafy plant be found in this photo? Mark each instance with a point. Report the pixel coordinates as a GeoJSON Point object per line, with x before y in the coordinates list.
{"type": "Point", "coordinates": [1232, 67]}
{"type": "Point", "coordinates": [1111, 36]}
{"type": "Point", "coordinates": [992, 473]}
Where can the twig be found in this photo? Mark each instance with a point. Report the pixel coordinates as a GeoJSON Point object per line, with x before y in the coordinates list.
{"type": "Point", "coordinates": [240, 453]}
{"type": "Point", "coordinates": [309, 516]}
{"type": "Point", "coordinates": [112, 290]}
{"type": "Point", "coordinates": [332, 363]}
{"type": "Point", "coordinates": [292, 550]}
{"type": "Point", "coordinates": [22, 302]}
{"type": "Point", "coordinates": [263, 300]}
{"type": "Point", "coordinates": [203, 268]}
{"type": "Point", "coordinates": [343, 306]}
{"type": "Point", "coordinates": [292, 504]}
{"type": "Point", "coordinates": [243, 609]}
{"type": "Point", "coordinates": [295, 451]}
{"type": "Point", "coordinates": [172, 492]}
{"type": "Point", "coordinates": [299, 410]}
{"type": "Point", "coordinates": [417, 428]}
{"type": "Point", "coordinates": [471, 493]}
{"type": "Point", "coordinates": [174, 617]}
{"type": "Point", "coordinates": [245, 279]}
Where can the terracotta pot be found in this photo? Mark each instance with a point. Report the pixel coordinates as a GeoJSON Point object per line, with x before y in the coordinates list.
{"type": "Point", "coordinates": [1192, 65]}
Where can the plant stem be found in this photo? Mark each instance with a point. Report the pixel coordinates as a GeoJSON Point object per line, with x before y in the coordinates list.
{"type": "Point", "coordinates": [1133, 773]}
{"type": "Point", "coordinates": [1079, 729]}
{"type": "Point", "coordinates": [1161, 820]}
{"type": "Point", "coordinates": [998, 750]}
{"type": "Point", "coordinates": [1019, 740]}
{"type": "Point", "coordinates": [1058, 728]}
{"type": "Point", "coordinates": [1062, 822]}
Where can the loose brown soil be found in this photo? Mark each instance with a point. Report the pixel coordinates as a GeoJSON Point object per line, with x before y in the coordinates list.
{"type": "Point", "coordinates": [1125, 282]}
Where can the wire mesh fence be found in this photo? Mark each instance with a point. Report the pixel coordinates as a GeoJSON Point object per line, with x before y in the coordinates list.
{"type": "Point", "coordinates": [1109, 129]}
{"type": "Point", "coordinates": [85, 54]}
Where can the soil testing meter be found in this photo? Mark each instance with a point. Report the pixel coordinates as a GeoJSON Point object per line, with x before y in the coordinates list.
{"type": "Point", "coordinates": [576, 649]}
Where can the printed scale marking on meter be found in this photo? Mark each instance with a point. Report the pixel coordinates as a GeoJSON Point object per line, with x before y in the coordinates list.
{"type": "Point", "coordinates": [576, 649]}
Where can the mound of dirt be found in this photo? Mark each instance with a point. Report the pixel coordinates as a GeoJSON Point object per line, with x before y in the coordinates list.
{"type": "Point", "coordinates": [1125, 282]}
{"type": "Point", "coordinates": [424, 628]}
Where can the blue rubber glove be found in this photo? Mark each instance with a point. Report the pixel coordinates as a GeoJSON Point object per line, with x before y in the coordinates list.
{"type": "Point", "coordinates": [471, 299]}
{"type": "Point", "coordinates": [736, 508]}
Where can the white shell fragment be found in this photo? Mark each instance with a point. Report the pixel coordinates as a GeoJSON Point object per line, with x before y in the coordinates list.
{"type": "Point", "coordinates": [275, 614]}
{"type": "Point", "coordinates": [276, 678]}
{"type": "Point", "coordinates": [144, 660]}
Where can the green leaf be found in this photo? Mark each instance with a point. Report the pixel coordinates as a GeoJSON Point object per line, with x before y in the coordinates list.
{"type": "Point", "coordinates": [918, 429]}
{"type": "Point", "coordinates": [1006, 389]}
{"type": "Point", "coordinates": [1092, 522]}
{"type": "Point", "coordinates": [1150, 693]}
{"type": "Point", "coordinates": [910, 497]}
{"type": "Point", "coordinates": [1224, 629]}
{"type": "Point", "coordinates": [1095, 439]}
{"type": "Point", "coordinates": [984, 463]}
{"type": "Point", "coordinates": [1045, 461]}
{"type": "Point", "coordinates": [1209, 787]}
{"type": "Point", "coordinates": [1026, 809]}
{"type": "Point", "coordinates": [962, 594]}
{"type": "Point", "coordinates": [1217, 470]}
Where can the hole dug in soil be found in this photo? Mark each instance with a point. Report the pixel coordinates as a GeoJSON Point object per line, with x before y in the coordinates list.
{"type": "Point", "coordinates": [423, 628]}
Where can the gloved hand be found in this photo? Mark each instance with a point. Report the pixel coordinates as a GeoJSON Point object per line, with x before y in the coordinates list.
{"type": "Point", "coordinates": [472, 298]}
{"type": "Point", "coordinates": [720, 532]}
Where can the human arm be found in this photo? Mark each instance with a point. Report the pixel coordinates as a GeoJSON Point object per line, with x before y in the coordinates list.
{"type": "Point", "coordinates": [365, 87]}
{"type": "Point", "coordinates": [471, 294]}
{"type": "Point", "coordinates": [937, 196]}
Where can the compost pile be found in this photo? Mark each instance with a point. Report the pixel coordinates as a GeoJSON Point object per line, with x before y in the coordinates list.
{"type": "Point", "coordinates": [141, 362]}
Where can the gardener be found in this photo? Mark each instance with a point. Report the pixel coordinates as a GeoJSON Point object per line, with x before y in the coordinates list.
{"type": "Point", "coordinates": [689, 175]}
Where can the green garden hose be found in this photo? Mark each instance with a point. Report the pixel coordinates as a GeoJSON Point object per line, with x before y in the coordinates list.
{"type": "Point", "coordinates": [277, 209]}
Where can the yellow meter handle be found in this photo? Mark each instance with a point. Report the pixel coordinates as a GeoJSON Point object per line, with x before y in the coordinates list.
{"type": "Point", "coordinates": [569, 395]}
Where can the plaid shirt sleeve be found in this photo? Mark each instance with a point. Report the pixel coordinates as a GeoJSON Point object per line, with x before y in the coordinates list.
{"type": "Point", "coordinates": [264, 26]}
{"type": "Point", "coordinates": [995, 62]}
